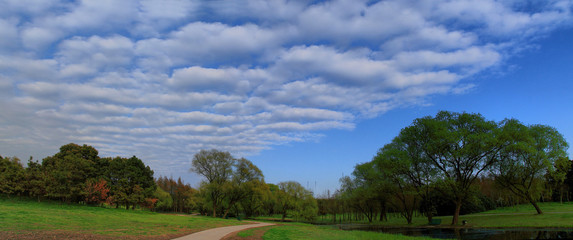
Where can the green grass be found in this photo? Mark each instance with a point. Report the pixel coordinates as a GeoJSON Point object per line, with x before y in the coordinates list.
{"type": "Point", "coordinates": [23, 215]}
{"type": "Point", "coordinates": [246, 233]}
{"type": "Point", "coordinates": [307, 231]}
{"type": "Point", "coordinates": [555, 215]}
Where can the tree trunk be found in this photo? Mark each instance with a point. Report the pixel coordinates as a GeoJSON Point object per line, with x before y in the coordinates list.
{"type": "Point", "coordinates": [214, 210]}
{"type": "Point", "coordinates": [530, 199]}
{"type": "Point", "coordinates": [457, 212]}
{"type": "Point", "coordinates": [561, 194]}
{"type": "Point", "coordinates": [430, 216]}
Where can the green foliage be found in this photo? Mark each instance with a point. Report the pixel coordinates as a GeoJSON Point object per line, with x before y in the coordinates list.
{"type": "Point", "coordinates": [293, 199]}
{"type": "Point", "coordinates": [530, 154]}
{"type": "Point", "coordinates": [131, 181]}
{"type": "Point", "coordinates": [165, 202]}
{"type": "Point", "coordinates": [232, 185]}
{"type": "Point", "coordinates": [217, 168]}
{"type": "Point", "coordinates": [12, 176]}
{"type": "Point", "coordinates": [76, 174]}
{"type": "Point", "coordinates": [68, 170]}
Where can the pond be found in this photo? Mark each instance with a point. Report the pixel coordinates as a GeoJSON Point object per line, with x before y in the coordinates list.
{"type": "Point", "coordinates": [471, 233]}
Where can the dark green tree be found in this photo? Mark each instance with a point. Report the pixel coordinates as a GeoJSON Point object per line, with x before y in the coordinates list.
{"type": "Point", "coordinates": [12, 176]}
{"type": "Point", "coordinates": [68, 170]}
{"type": "Point", "coordinates": [131, 181]}
{"type": "Point", "coordinates": [35, 180]}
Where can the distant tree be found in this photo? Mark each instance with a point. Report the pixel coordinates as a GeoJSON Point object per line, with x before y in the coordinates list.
{"type": "Point", "coordinates": [531, 153]}
{"type": "Point", "coordinates": [246, 177]}
{"type": "Point", "coordinates": [367, 190]}
{"type": "Point", "coordinates": [293, 198]}
{"type": "Point", "coordinates": [559, 175]}
{"type": "Point", "coordinates": [254, 203]}
{"type": "Point", "coordinates": [165, 202]}
{"type": "Point", "coordinates": [269, 203]}
{"type": "Point", "coordinates": [11, 176]}
{"type": "Point", "coordinates": [131, 181]}
{"type": "Point", "coordinates": [216, 167]}
{"type": "Point", "coordinates": [35, 179]}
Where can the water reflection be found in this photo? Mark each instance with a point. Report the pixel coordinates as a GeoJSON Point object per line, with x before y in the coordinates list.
{"type": "Point", "coordinates": [471, 233]}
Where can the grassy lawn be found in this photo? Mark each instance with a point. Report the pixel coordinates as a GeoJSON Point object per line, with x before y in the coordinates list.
{"type": "Point", "coordinates": [22, 216]}
{"type": "Point", "coordinates": [301, 231]}
{"type": "Point", "coordinates": [555, 215]}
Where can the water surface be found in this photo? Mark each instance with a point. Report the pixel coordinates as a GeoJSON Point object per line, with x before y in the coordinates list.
{"type": "Point", "coordinates": [471, 233]}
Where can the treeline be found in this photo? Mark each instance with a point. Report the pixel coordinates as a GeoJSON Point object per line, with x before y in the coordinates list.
{"type": "Point", "coordinates": [232, 187]}
{"type": "Point", "coordinates": [457, 163]}
{"type": "Point", "coordinates": [76, 174]}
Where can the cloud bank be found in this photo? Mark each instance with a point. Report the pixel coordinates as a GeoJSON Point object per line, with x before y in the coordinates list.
{"type": "Point", "coordinates": [163, 79]}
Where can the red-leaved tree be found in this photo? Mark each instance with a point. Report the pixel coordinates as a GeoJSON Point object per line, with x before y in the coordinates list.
{"type": "Point", "coordinates": [96, 191]}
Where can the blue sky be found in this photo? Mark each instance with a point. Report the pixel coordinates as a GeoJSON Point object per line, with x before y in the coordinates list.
{"type": "Point", "coordinates": [304, 89]}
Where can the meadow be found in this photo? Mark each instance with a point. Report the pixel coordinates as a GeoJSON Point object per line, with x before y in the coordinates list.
{"type": "Point", "coordinates": [26, 217]}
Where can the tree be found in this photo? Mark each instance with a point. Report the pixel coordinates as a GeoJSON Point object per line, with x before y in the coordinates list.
{"type": "Point", "coordinates": [559, 175]}
{"type": "Point", "coordinates": [11, 176]}
{"type": "Point", "coordinates": [216, 167]}
{"type": "Point", "coordinates": [131, 180]}
{"type": "Point", "coordinates": [254, 203]}
{"type": "Point", "coordinates": [35, 179]}
{"type": "Point", "coordinates": [367, 190]}
{"type": "Point", "coordinates": [531, 153]}
{"type": "Point", "coordinates": [246, 177]}
{"type": "Point", "coordinates": [460, 146]}
{"type": "Point", "coordinates": [409, 171]}
{"type": "Point", "coordinates": [295, 199]}
{"type": "Point", "coordinates": [165, 202]}
{"type": "Point", "coordinates": [68, 170]}
{"type": "Point", "coordinates": [96, 191]}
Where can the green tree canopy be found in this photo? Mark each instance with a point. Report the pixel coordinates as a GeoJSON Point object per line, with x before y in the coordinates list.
{"type": "Point", "coordinates": [531, 152]}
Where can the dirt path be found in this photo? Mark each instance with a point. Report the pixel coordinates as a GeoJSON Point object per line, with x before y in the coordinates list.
{"type": "Point", "coordinates": [218, 233]}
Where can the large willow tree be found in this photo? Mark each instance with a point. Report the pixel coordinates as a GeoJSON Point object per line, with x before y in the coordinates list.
{"type": "Point", "coordinates": [531, 153]}
{"type": "Point", "coordinates": [460, 147]}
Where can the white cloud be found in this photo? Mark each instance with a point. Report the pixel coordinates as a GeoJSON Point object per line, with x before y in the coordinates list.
{"type": "Point", "coordinates": [163, 79]}
{"type": "Point", "coordinates": [9, 32]}
{"type": "Point", "coordinates": [200, 43]}
{"type": "Point", "coordinates": [210, 79]}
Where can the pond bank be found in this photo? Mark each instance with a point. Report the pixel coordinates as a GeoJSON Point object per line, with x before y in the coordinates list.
{"type": "Point", "coordinates": [463, 232]}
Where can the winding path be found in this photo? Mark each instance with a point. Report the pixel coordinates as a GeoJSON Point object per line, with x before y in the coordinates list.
{"type": "Point", "coordinates": [218, 233]}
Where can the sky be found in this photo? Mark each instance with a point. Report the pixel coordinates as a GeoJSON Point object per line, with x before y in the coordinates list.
{"type": "Point", "coordinates": [304, 89]}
